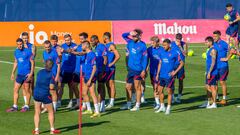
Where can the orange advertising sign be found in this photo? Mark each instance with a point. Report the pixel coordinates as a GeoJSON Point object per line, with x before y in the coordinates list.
{"type": "Point", "coordinates": [41, 31]}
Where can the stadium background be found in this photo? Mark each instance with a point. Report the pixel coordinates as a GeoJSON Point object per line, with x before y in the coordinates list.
{"type": "Point", "coordinates": [38, 16]}
{"type": "Point", "coordinates": [68, 10]}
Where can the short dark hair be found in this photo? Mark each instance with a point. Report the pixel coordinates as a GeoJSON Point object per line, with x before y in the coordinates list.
{"type": "Point", "coordinates": [67, 35]}
{"type": "Point", "coordinates": [179, 36]}
{"type": "Point", "coordinates": [24, 34]}
{"type": "Point", "coordinates": [229, 5]}
{"type": "Point", "coordinates": [86, 42]}
{"type": "Point", "coordinates": [46, 42]}
{"type": "Point", "coordinates": [54, 37]}
{"type": "Point", "coordinates": [94, 37]}
{"type": "Point", "coordinates": [49, 64]}
{"type": "Point", "coordinates": [84, 34]}
{"type": "Point", "coordinates": [167, 41]}
{"type": "Point", "coordinates": [19, 40]}
{"type": "Point", "coordinates": [209, 39]}
{"type": "Point", "coordinates": [155, 39]}
{"type": "Point", "coordinates": [217, 32]}
{"type": "Point", "coordinates": [139, 31]}
{"type": "Point", "coordinates": [107, 34]}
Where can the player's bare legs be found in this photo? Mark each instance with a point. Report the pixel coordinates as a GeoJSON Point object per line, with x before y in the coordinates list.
{"type": "Point", "coordinates": [143, 88]}
{"type": "Point", "coordinates": [16, 89]}
{"type": "Point", "coordinates": [138, 89]}
{"type": "Point", "coordinates": [169, 91]}
{"type": "Point", "coordinates": [37, 106]}
{"type": "Point", "coordinates": [70, 86]}
{"type": "Point", "coordinates": [86, 99]}
{"type": "Point", "coordinates": [156, 96]}
{"type": "Point", "coordinates": [128, 88]}
{"type": "Point", "coordinates": [95, 100]}
{"type": "Point", "coordinates": [53, 92]}
{"type": "Point", "coordinates": [101, 95]}
{"type": "Point", "coordinates": [224, 91]}
{"type": "Point", "coordinates": [180, 86]}
{"type": "Point", "coordinates": [111, 92]}
{"type": "Point", "coordinates": [27, 92]}
{"type": "Point", "coordinates": [161, 97]}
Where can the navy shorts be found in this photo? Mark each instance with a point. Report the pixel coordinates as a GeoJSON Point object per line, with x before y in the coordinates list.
{"type": "Point", "coordinates": [223, 74]}
{"type": "Point", "coordinates": [153, 79]}
{"type": "Point", "coordinates": [22, 79]}
{"type": "Point", "coordinates": [47, 99]}
{"type": "Point", "coordinates": [101, 77]}
{"type": "Point", "coordinates": [87, 79]}
{"type": "Point", "coordinates": [110, 75]}
{"type": "Point", "coordinates": [76, 77]}
{"type": "Point", "coordinates": [212, 80]}
{"type": "Point", "coordinates": [133, 75]}
{"type": "Point", "coordinates": [67, 77]}
{"type": "Point", "coordinates": [181, 74]}
{"type": "Point", "coordinates": [232, 31]}
{"type": "Point", "coordinates": [169, 83]}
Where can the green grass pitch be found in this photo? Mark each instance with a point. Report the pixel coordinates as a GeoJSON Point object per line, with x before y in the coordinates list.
{"type": "Point", "coordinates": [185, 119]}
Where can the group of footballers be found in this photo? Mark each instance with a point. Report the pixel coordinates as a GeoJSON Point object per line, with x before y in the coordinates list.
{"type": "Point", "coordinates": [94, 60]}
{"type": "Point", "coordinates": [91, 62]}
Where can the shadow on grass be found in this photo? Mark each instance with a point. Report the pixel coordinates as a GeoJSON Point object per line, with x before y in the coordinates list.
{"type": "Point", "coordinates": [187, 109]}
{"type": "Point", "coordinates": [76, 126]}
{"type": "Point", "coordinates": [110, 111]}
{"type": "Point", "coordinates": [144, 106]}
{"type": "Point", "coordinates": [94, 124]}
{"type": "Point", "coordinates": [233, 101]}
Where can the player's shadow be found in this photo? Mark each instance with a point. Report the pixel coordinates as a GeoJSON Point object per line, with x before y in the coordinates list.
{"type": "Point", "coordinates": [193, 99]}
{"type": "Point", "coordinates": [110, 111]}
{"type": "Point", "coordinates": [233, 101]}
{"type": "Point", "coordinates": [151, 102]}
{"type": "Point", "coordinates": [94, 124]}
{"type": "Point", "coordinates": [189, 101]}
{"type": "Point", "coordinates": [63, 108]}
{"type": "Point", "coordinates": [76, 126]}
{"type": "Point", "coordinates": [186, 109]}
{"type": "Point", "coordinates": [65, 129]}
{"type": "Point", "coordinates": [120, 101]}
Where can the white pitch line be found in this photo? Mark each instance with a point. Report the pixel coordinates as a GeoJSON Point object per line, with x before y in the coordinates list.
{"type": "Point", "coordinates": [8, 62]}
{"type": "Point", "coordinates": [6, 50]}
{"type": "Point", "coordinates": [148, 86]}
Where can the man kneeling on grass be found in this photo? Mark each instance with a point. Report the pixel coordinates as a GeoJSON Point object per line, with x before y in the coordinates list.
{"type": "Point", "coordinates": [42, 95]}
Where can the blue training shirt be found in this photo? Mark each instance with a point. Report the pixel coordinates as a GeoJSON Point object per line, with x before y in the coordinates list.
{"type": "Point", "coordinates": [79, 59]}
{"type": "Point", "coordinates": [110, 56]}
{"type": "Point", "coordinates": [90, 61]}
{"type": "Point", "coordinates": [209, 62]}
{"type": "Point", "coordinates": [29, 46]}
{"type": "Point", "coordinates": [55, 47]}
{"type": "Point", "coordinates": [68, 59]}
{"type": "Point", "coordinates": [23, 58]}
{"type": "Point", "coordinates": [222, 48]}
{"type": "Point", "coordinates": [137, 54]}
{"type": "Point", "coordinates": [175, 47]}
{"type": "Point", "coordinates": [100, 51]}
{"type": "Point", "coordinates": [52, 55]}
{"type": "Point", "coordinates": [44, 78]}
{"type": "Point", "coordinates": [154, 58]}
{"type": "Point", "coordinates": [233, 16]}
{"type": "Point", "coordinates": [169, 60]}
